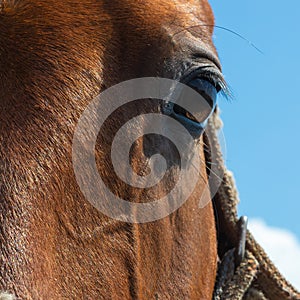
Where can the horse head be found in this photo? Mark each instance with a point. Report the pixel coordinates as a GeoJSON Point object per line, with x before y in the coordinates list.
{"type": "Point", "coordinates": [55, 58]}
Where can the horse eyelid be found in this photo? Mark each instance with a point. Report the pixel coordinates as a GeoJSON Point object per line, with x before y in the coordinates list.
{"type": "Point", "coordinates": [209, 73]}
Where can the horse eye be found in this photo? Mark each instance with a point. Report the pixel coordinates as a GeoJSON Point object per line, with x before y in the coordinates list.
{"type": "Point", "coordinates": [192, 109]}
{"type": "Point", "coordinates": [204, 108]}
{"type": "Point", "coordinates": [206, 89]}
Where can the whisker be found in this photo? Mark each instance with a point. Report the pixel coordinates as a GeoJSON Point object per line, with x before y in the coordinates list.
{"type": "Point", "coordinates": [251, 44]}
{"type": "Point", "coordinates": [240, 36]}
{"type": "Point", "coordinates": [204, 178]}
{"type": "Point", "coordinates": [215, 174]}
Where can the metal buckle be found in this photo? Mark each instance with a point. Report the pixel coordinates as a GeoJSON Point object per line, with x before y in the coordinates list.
{"type": "Point", "coordinates": [242, 238]}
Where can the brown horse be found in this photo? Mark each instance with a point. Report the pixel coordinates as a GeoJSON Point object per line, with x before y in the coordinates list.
{"type": "Point", "coordinates": [55, 57]}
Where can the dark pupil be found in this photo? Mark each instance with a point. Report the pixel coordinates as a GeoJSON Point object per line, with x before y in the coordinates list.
{"type": "Point", "coordinates": [206, 103]}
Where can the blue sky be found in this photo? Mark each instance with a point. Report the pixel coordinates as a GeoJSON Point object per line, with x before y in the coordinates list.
{"type": "Point", "coordinates": [261, 123]}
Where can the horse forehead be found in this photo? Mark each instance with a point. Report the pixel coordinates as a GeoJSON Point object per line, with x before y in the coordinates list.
{"type": "Point", "coordinates": [186, 13]}
{"type": "Point", "coordinates": [195, 10]}
{"type": "Point", "coordinates": [171, 28]}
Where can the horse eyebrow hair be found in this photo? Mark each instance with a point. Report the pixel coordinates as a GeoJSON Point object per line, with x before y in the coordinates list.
{"type": "Point", "coordinates": [241, 37]}
{"type": "Point", "coordinates": [250, 43]}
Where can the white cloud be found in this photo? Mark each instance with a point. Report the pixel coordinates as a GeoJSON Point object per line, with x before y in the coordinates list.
{"type": "Point", "coordinates": [281, 246]}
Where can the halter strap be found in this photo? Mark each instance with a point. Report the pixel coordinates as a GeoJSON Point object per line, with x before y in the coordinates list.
{"type": "Point", "coordinates": [253, 276]}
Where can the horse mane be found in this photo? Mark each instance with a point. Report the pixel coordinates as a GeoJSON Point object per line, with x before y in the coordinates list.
{"type": "Point", "coordinates": [256, 277]}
